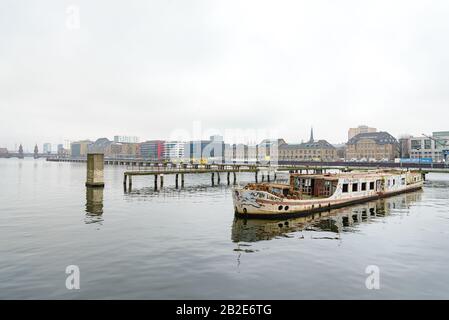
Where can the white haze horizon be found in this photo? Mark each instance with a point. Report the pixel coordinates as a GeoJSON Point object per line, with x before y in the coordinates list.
{"type": "Point", "coordinates": [75, 70]}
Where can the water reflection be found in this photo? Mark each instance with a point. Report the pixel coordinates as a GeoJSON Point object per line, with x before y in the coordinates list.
{"type": "Point", "coordinates": [94, 205]}
{"type": "Point", "coordinates": [334, 221]}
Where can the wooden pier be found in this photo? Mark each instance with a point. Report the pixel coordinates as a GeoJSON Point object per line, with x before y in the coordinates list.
{"type": "Point", "coordinates": [215, 170]}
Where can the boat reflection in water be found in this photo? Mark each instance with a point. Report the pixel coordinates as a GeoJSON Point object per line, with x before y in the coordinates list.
{"type": "Point", "coordinates": [335, 221]}
{"type": "Point", "coordinates": [94, 205]}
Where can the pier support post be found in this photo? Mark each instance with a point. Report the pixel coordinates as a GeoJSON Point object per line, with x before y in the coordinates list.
{"type": "Point", "coordinates": [228, 178]}
{"type": "Point", "coordinates": [263, 177]}
{"type": "Point", "coordinates": [125, 177]}
{"type": "Point", "coordinates": [176, 181]}
{"type": "Point", "coordinates": [275, 176]}
{"type": "Point", "coordinates": [268, 177]}
{"type": "Point", "coordinates": [218, 177]}
{"type": "Point", "coordinates": [162, 180]}
{"type": "Point", "coordinates": [130, 182]}
{"type": "Point", "coordinates": [155, 182]}
{"type": "Point", "coordinates": [212, 178]}
{"type": "Point", "coordinates": [256, 176]}
{"type": "Point", "coordinates": [235, 178]}
{"type": "Point", "coordinates": [182, 180]}
{"type": "Point", "coordinates": [95, 170]}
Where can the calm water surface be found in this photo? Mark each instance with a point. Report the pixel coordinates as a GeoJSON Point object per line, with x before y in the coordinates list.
{"type": "Point", "coordinates": [186, 244]}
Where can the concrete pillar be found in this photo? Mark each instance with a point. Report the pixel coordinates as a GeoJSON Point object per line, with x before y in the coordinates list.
{"type": "Point", "coordinates": [94, 201]}
{"type": "Point", "coordinates": [176, 181]}
{"type": "Point", "coordinates": [228, 180]}
{"type": "Point", "coordinates": [95, 170]}
{"type": "Point", "coordinates": [162, 180]}
{"type": "Point", "coordinates": [155, 182]}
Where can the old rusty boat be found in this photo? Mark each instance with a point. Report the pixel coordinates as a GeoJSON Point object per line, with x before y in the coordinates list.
{"type": "Point", "coordinates": [307, 193]}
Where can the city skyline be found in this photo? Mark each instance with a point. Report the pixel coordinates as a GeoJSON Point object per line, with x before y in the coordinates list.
{"type": "Point", "coordinates": [150, 68]}
{"type": "Point", "coordinates": [304, 137]}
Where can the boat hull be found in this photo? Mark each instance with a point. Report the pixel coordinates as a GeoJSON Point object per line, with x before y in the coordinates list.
{"type": "Point", "coordinates": [242, 210]}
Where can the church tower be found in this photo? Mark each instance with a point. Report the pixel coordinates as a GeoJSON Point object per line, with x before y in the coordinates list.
{"type": "Point", "coordinates": [311, 135]}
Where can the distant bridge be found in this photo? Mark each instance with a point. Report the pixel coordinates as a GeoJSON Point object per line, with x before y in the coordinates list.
{"type": "Point", "coordinates": [26, 155]}
{"type": "Point", "coordinates": [281, 165]}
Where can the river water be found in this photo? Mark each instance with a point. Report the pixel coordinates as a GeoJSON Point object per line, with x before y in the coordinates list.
{"type": "Point", "coordinates": [186, 243]}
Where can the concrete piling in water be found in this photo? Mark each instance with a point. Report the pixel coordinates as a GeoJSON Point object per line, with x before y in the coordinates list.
{"type": "Point", "coordinates": [235, 178]}
{"type": "Point", "coordinates": [212, 178]}
{"type": "Point", "coordinates": [155, 182]}
{"type": "Point", "coordinates": [94, 201]}
{"type": "Point", "coordinates": [228, 180]}
{"type": "Point", "coordinates": [218, 177]}
{"type": "Point", "coordinates": [95, 170]}
{"type": "Point", "coordinates": [162, 180]}
{"type": "Point", "coordinates": [176, 181]}
{"type": "Point", "coordinates": [182, 180]}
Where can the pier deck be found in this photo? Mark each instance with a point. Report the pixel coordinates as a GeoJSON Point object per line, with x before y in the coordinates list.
{"type": "Point", "coordinates": [160, 171]}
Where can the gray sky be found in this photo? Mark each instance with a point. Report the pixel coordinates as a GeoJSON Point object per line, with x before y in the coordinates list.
{"type": "Point", "coordinates": [147, 68]}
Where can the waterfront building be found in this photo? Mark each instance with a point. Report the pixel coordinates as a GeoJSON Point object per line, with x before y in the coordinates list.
{"type": "Point", "coordinates": [101, 145]}
{"type": "Point", "coordinates": [152, 150]}
{"type": "Point", "coordinates": [236, 153]}
{"type": "Point", "coordinates": [404, 146]}
{"type": "Point", "coordinates": [435, 147]}
{"type": "Point", "coordinates": [3, 151]}
{"type": "Point", "coordinates": [62, 151]}
{"type": "Point", "coordinates": [341, 150]}
{"type": "Point", "coordinates": [352, 132]}
{"type": "Point", "coordinates": [312, 150]}
{"type": "Point", "coordinates": [268, 149]}
{"type": "Point", "coordinates": [126, 139]}
{"type": "Point", "coordinates": [173, 150]}
{"type": "Point", "coordinates": [212, 150]}
{"type": "Point", "coordinates": [47, 148]}
{"type": "Point", "coordinates": [372, 146]}
{"type": "Point", "coordinates": [130, 150]}
{"type": "Point", "coordinates": [115, 149]}
{"type": "Point", "coordinates": [319, 150]}
{"type": "Point", "coordinates": [80, 148]}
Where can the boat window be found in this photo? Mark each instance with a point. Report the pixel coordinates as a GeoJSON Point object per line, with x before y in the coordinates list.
{"type": "Point", "coordinates": [261, 195]}
{"type": "Point", "coordinates": [403, 181]}
{"type": "Point", "coordinates": [345, 187]}
{"type": "Point", "coordinates": [394, 181]}
{"type": "Point", "coordinates": [355, 187]}
{"type": "Point", "coordinates": [371, 185]}
{"type": "Point", "coordinates": [363, 186]}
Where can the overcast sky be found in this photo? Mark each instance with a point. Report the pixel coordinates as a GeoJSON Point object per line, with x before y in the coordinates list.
{"type": "Point", "coordinates": [149, 68]}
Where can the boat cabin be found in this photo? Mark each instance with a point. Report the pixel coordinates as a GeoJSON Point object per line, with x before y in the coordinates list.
{"type": "Point", "coordinates": [314, 185]}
